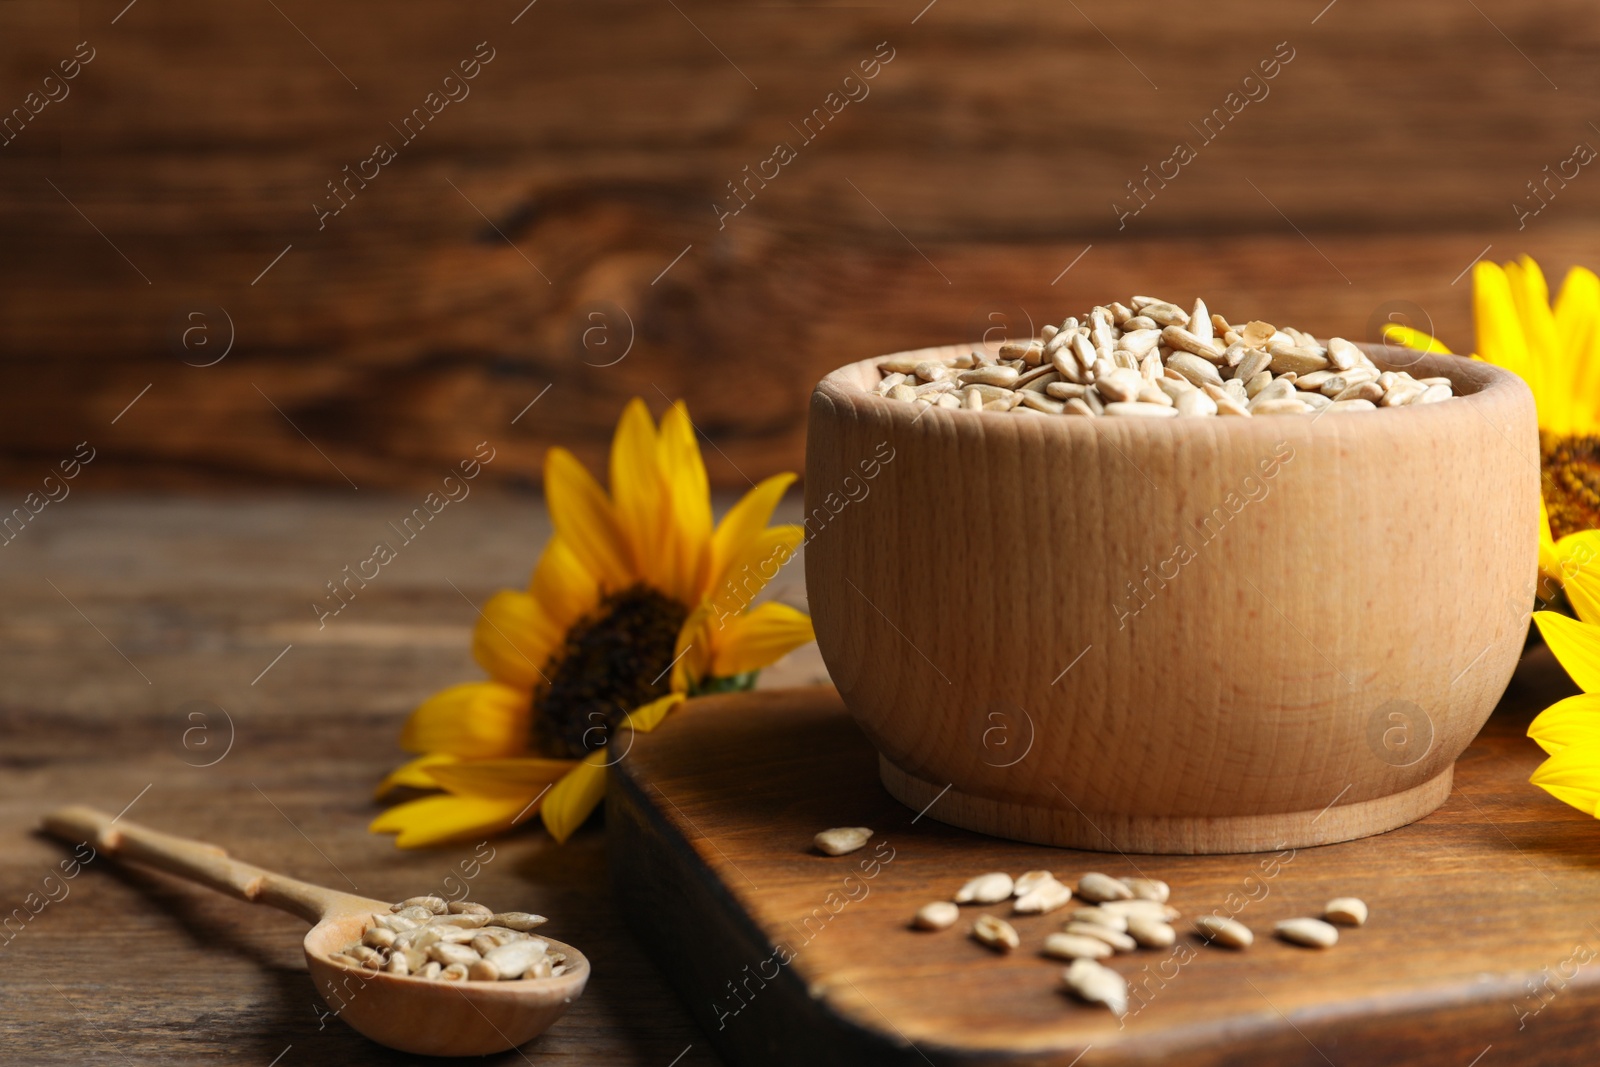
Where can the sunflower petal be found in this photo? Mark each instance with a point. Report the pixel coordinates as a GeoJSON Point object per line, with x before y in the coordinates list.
{"type": "Point", "coordinates": [743, 523]}
{"type": "Point", "coordinates": [1577, 562]}
{"type": "Point", "coordinates": [445, 817]}
{"type": "Point", "coordinates": [503, 779]}
{"type": "Point", "coordinates": [1549, 561]}
{"type": "Point", "coordinates": [1406, 337]}
{"type": "Point", "coordinates": [750, 571]}
{"type": "Point", "coordinates": [759, 638]}
{"type": "Point", "coordinates": [564, 588]}
{"type": "Point", "coordinates": [412, 774]}
{"type": "Point", "coordinates": [586, 521]}
{"type": "Point", "coordinates": [1578, 326]}
{"type": "Point", "coordinates": [513, 639]}
{"type": "Point", "coordinates": [1499, 330]}
{"type": "Point", "coordinates": [691, 655]}
{"type": "Point", "coordinates": [476, 720]}
{"type": "Point", "coordinates": [1572, 776]}
{"type": "Point", "coordinates": [684, 471]}
{"type": "Point", "coordinates": [1576, 644]}
{"type": "Point", "coordinates": [649, 716]}
{"type": "Point", "coordinates": [1568, 723]}
{"type": "Point", "coordinates": [570, 800]}
{"type": "Point", "coordinates": [637, 490]}
{"type": "Point", "coordinates": [1546, 359]}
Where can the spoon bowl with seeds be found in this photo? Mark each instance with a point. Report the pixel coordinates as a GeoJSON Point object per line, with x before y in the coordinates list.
{"type": "Point", "coordinates": [359, 950]}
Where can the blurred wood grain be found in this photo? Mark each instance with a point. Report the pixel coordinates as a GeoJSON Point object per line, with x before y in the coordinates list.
{"type": "Point", "coordinates": [569, 204]}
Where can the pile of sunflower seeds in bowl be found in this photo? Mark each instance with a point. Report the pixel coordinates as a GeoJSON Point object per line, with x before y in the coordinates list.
{"type": "Point", "coordinates": [427, 937]}
{"type": "Point", "coordinates": [1151, 359]}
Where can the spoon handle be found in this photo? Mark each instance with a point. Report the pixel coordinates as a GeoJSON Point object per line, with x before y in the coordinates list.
{"type": "Point", "coordinates": [201, 862]}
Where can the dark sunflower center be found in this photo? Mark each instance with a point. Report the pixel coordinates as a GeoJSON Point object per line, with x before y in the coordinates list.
{"type": "Point", "coordinates": [1570, 480]}
{"type": "Point", "coordinates": [613, 660]}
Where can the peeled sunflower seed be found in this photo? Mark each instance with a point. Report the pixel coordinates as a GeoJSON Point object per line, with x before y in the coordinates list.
{"type": "Point", "coordinates": [1129, 908]}
{"type": "Point", "coordinates": [1312, 933]}
{"type": "Point", "coordinates": [1101, 352]}
{"type": "Point", "coordinates": [447, 953]}
{"type": "Point", "coordinates": [1348, 911]}
{"type": "Point", "coordinates": [1148, 889]}
{"type": "Point", "coordinates": [378, 937]}
{"type": "Point", "coordinates": [1097, 984]}
{"type": "Point", "coordinates": [515, 959]}
{"type": "Point", "coordinates": [995, 933]}
{"type": "Point", "coordinates": [1043, 896]}
{"type": "Point", "coordinates": [436, 905]}
{"type": "Point", "coordinates": [364, 955]}
{"type": "Point", "coordinates": [841, 840]}
{"type": "Point", "coordinates": [1100, 917]}
{"type": "Point", "coordinates": [1028, 879]}
{"type": "Point", "coordinates": [1120, 942]}
{"type": "Point", "coordinates": [986, 889]}
{"type": "Point", "coordinates": [1229, 933]}
{"type": "Point", "coordinates": [1075, 947]}
{"type": "Point", "coordinates": [1279, 406]}
{"type": "Point", "coordinates": [1097, 887]}
{"type": "Point", "coordinates": [428, 938]}
{"type": "Point", "coordinates": [1151, 933]}
{"type": "Point", "coordinates": [936, 915]}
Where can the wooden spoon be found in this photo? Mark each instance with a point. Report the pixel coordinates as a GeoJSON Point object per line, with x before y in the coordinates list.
{"type": "Point", "coordinates": [427, 1016]}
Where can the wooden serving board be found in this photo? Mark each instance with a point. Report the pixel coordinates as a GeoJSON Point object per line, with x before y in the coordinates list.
{"type": "Point", "coordinates": [1483, 947]}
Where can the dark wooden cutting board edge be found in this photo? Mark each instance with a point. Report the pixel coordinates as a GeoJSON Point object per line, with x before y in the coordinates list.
{"type": "Point", "coordinates": [701, 936]}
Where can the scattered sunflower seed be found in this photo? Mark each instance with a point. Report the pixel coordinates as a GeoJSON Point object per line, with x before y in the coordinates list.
{"type": "Point", "coordinates": [1149, 908]}
{"type": "Point", "coordinates": [1043, 896]}
{"type": "Point", "coordinates": [1101, 917]}
{"type": "Point", "coordinates": [937, 915]}
{"type": "Point", "coordinates": [1096, 888]}
{"type": "Point", "coordinates": [1028, 879]}
{"type": "Point", "coordinates": [841, 840]}
{"type": "Point", "coordinates": [1119, 942]}
{"type": "Point", "coordinates": [1347, 911]}
{"type": "Point", "coordinates": [1097, 984]}
{"type": "Point", "coordinates": [1075, 947]}
{"type": "Point", "coordinates": [1229, 933]}
{"type": "Point", "coordinates": [1148, 889]}
{"type": "Point", "coordinates": [1312, 933]}
{"type": "Point", "coordinates": [995, 933]}
{"type": "Point", "coordinates": [1151, 933]}
{"type": "Point", "coordinates": [986, 889]}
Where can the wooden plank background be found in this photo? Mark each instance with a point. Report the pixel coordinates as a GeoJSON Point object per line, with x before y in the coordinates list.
{"type": "Point", "coordinates": [565, 207]}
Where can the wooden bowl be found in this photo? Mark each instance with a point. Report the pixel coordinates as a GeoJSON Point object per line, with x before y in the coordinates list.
{"type": "Point", "coordinates": [1173, 635]}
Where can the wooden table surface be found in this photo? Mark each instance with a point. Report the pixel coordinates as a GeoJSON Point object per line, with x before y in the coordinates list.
{"type": "Point", "coordinates": [120, 614]}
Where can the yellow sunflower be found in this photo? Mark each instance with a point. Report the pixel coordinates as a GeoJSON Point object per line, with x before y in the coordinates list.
{"type": "Point", "coordinates": [636, 604]}
{"type": "Point", "coordinates": [1569, 730]}
{"type": "Point", "coordinates": [1556, 350]}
